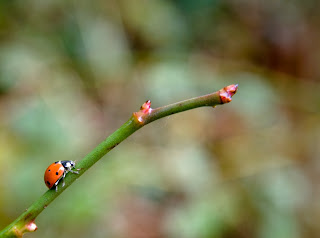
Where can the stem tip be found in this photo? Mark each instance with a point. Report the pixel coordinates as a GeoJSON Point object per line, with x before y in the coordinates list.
{"type": "Point", "coordinates": [227, 92]}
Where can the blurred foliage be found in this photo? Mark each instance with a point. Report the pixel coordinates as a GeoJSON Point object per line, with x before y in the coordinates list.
{"type": "Point", "coordinates": [71, 72]}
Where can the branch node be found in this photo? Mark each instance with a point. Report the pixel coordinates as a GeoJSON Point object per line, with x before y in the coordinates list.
{"type": "Point", "coordinates": [31, 226]}
{"type": "Point", "coordinates": [145, 110]}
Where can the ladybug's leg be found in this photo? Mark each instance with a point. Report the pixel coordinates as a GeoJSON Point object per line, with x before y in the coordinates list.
{"type": "Point", "coordinates": [64, 175]}
{"type": "Point", "coordinates": [56, 184]}
{"type": "Point", "coordinates": [74, 171]}
{"type": "Point", "coordinates": [63, 182]}
{"type": "Point", "coordinates": [69, 169]}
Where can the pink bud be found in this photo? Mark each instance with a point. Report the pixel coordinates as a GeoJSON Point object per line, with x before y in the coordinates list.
{"type": "Point", "coordinates": [145, 110]}
{"type": "Point", "coordinates": [146, 107]}
{"type": "Point", "coordinates": [227, 92]}
{"type": "Point", "coordinates": [31, 226]}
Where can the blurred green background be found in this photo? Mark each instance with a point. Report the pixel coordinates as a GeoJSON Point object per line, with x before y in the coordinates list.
{"type": "Point", "coordinates": [71, 72]}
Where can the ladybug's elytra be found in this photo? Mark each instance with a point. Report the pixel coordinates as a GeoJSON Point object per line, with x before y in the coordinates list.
{"type": "Point", "coordinates": [57, 171]}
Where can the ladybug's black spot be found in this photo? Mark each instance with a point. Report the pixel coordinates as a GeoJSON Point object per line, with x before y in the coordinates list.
{"type": "Point", "coordinates": [48, 183]}
{"type": "Point", "coordinates": [57, 173]}
{"type": "Point", "coordinates": [49, 170]}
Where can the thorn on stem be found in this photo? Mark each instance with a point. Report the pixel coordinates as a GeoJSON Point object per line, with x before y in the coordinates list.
{"type": "Point", "coordinates": [227, 92]}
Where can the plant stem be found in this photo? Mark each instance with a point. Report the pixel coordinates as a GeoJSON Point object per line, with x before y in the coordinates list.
{"type": "Point", "coordinates": [25, 222]}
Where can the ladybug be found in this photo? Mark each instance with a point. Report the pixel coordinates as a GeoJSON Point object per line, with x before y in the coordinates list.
{"type": "Point", "coordinates": [57, 171]}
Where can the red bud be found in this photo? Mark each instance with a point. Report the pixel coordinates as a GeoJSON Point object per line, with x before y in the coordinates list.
{"type": "Point", "coordinates": [227, 92]}
{"type": "Point", "coordinates": [145, 109]}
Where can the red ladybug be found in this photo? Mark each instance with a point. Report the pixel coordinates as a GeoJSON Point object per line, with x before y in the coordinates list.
{"type": "Point", "coordinates": [57, 171]}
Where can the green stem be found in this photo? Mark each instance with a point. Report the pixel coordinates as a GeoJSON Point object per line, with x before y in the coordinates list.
{"type": "Point", "coordinates": [25, 222]}
{"type": "Point", "coordinates": [206, 100]}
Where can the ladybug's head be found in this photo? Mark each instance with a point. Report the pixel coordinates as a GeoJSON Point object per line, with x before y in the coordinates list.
{"type": "Point", "coordinates": [68, 163]}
